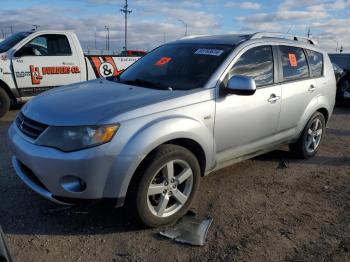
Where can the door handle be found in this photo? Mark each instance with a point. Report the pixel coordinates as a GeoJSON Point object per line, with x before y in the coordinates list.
{"type": "Point", "coordinates": [273, 98]}
{"type": "Point", "coordinates": [312, 88]}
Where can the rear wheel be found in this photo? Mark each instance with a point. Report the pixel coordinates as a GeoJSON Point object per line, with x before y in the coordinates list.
{"type": "Point", "coordinates": [311, 137]}
{"type": "Point", "coordinates": [4, 102]}
{"type": "Point", "coordinates": [167, 187]}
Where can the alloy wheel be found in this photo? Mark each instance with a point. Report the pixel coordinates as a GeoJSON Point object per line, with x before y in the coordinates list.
{"type": "Point", "coordinates": [170, 188]}
{"type": "Point", "coordinates": [314, 135]}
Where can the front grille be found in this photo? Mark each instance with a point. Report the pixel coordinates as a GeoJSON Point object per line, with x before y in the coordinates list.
{"type": "Point", "coordinates": [29, 127]}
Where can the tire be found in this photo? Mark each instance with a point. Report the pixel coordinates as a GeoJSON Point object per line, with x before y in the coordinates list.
{"type": "Point", "coordinates": [4, 102]}
{"type": "Point", "coordinates": [175, 193]}
{"type": "Point", "coordinates": [311, 137]}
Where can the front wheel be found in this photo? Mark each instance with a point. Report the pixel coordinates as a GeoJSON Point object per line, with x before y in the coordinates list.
{"type": "Point", "coordinates": [311, 137]}
{"type": "Point", "coordinates": [167, 186]}
{"type": "Point", "coordinates": [4, 102]}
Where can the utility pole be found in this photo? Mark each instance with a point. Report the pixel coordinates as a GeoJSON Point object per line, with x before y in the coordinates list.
{"type": "Point", "coordinates": [308, 33]}
{"type": "Point", "coordinates": [95, 38]}
{"type": "Point", "coordinates": [11, 28]}
{"type": "Point", "coordinates": [107, 38]}
{"type": "Point", "coordinates": [126, 12]}
{"type": "Point", "coordinates": [185, 24]}
{"type": "Point", "coordinates": [336, 49]}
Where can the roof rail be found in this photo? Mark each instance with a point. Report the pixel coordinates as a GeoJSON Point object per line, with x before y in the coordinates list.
{"type": "Point", "coordinates": [285, 36]}
{"type": "Point", "coordinates": [192, 36]}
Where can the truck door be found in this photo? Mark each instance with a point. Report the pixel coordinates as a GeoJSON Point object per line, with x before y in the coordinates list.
{"type": "Point", "coordinates": [45, 62]}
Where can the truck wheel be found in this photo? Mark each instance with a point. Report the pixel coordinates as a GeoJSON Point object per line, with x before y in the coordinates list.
{"type": "Point", "coordinates": [4, 102]}
{"type": "Point", "coordinates": [167, 187]}
{"type": "Point", "coordinates": [311, 137]}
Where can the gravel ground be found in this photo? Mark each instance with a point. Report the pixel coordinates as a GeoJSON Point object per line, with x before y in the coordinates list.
{"type": "Point", "coordinates": [261, 210]}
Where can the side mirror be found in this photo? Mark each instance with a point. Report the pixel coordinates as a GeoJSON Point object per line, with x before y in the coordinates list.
{"type": "Point", "coordinates": [241, 85]}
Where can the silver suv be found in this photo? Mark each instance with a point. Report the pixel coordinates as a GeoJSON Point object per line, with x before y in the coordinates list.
{"type": "Point", "coordinates": [182, 111]}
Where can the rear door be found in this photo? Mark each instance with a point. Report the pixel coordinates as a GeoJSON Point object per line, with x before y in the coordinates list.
{"type": "Point", "coordinates": [248, 123]}
{"type": "Point", "coordinates": [298, 88]}
{"type": "Point", "coordinates": [45, 62]}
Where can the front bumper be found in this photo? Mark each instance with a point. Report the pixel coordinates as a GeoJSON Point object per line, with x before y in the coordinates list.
{"type": "Point", "coordinates": [43, 170]}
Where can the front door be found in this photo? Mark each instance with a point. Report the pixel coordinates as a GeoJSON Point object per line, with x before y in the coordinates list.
{"type": "Point", "coordinates": [45, 62]}
{"type": "Point", "coordinates": [245, 124]}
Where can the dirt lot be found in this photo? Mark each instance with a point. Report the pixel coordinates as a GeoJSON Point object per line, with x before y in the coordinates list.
{"type": "Point", "coordinates": [261, 211]}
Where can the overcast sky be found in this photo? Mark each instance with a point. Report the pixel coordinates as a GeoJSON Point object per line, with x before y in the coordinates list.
{"type": "Point", "coordinates": [154, 21]}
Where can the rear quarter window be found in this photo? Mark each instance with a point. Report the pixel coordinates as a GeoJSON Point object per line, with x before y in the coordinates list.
{"type": "Point", "coordinates": [316, 62]}
{"type": "Point", "coordinates": [294, 64]}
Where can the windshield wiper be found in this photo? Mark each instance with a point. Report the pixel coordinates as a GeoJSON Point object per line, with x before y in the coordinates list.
{"type": "Point", "coordinates": [142, 83]}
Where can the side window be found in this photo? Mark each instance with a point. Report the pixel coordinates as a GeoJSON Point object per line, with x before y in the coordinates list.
{"type": "Point", "coordinates": [256, 63]}
{"type": "Point", "coordinates": [47, 45]}
{"type": "Point", "coordinates": [316, 62]}
{"type": "Point", "coordinates": [294, 63]}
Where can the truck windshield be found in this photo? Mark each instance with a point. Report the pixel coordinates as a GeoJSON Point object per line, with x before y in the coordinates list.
{"type": "Point", "coordinates": [176, 66]}
{"type": "Point", "coordinates": [12, 40]}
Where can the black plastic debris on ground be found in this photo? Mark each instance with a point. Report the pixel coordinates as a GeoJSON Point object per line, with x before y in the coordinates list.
{"type": "Point", "coordinates": [189, 230]}
{"type": "Point", "coordinates": [283, 161]}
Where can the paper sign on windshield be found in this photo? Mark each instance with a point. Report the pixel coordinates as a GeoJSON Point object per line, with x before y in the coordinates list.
{"type": "Point", "coordinates": [292, 60]}
{"type": "Point", "coordinates": [207, 51]}
{"type": "Point", "coordinates": [163, 61]}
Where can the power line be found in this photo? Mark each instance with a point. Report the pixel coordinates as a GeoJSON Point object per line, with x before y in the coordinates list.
{"type": "Point", "coordinates": [126, 12]}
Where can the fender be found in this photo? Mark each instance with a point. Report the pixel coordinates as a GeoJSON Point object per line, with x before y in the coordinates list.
{"type": "Point", "coordinates": [149, 137]}
{"type": "Point", "coordinates": [7, 79]}
{"type": "Point", "coordinates": [315, 104]}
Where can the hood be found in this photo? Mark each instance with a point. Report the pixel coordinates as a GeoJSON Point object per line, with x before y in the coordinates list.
{"type": "Point", "coordinates": [90, 102]}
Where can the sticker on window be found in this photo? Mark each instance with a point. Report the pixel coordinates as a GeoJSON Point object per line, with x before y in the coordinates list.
{"type": "Point", "coordinates": [163, 61]}
{"type": "Point", "coordinates": [292, 60]}
{"type": "Point", "coordinates": [207, 51]}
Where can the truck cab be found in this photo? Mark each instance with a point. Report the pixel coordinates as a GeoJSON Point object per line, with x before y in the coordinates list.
{"type": "Point", "coordinates": [33, 62]}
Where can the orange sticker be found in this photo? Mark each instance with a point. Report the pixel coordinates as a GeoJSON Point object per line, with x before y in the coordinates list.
{"type": "Point", "coordinates": [292, 60]}
{"type": "Point", "coordinates": [163, 61]}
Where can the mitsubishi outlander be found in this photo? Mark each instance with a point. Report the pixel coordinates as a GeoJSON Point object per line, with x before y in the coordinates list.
{"type": "Point", "coordinates": [189, 107]}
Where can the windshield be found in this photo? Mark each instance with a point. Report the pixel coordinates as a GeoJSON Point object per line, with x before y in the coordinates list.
{"type": "Point", "coordinates": [341, 60]}
{"type": "Point", "coordinates": [12, 40]}
{"type": "Point", "coordinates": [176, 66]}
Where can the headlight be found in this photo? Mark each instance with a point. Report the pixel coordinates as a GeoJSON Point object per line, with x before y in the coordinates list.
{"type": "Point", "coordinates": [77, 138]}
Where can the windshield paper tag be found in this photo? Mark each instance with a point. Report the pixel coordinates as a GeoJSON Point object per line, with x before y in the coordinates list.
{"type": "Point", "coordinates": [163, 61]}
{"type": "Point", "coordinates": [292, 60]}
{"type": "Point", "coordinates": [206, 51]}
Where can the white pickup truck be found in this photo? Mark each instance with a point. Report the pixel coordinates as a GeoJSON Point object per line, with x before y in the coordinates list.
{"type": "Point", "coordinates": [33, 62]}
